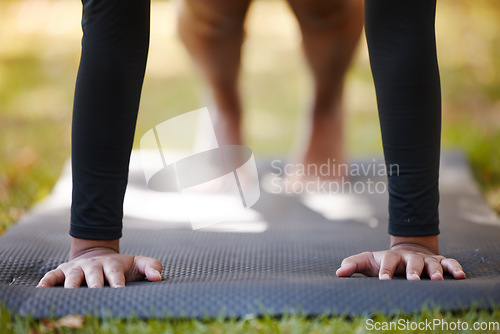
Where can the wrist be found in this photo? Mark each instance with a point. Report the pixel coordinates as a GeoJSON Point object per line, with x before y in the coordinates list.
{"type": "Point", "coordinates": [430, 243]}
{"type": "Point", "coordinates": [82, 246]}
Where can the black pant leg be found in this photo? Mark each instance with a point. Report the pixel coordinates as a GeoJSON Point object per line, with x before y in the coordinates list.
{"type": "Point", "coordinates": [402, 47]}
{"type": "Point", "coordinates": [108, 88]}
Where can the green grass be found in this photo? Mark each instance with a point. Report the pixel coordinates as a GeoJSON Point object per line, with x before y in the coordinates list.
{"type": "Point", "coordinates": [38, 69]}
{"type": "Point", "coordinates": [251, 324]}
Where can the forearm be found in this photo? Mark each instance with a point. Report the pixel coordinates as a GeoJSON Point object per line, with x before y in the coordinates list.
{"type": "Point", "coordinates": [401, 43]}
{"type": "Point", "coordinates": [107, 94]}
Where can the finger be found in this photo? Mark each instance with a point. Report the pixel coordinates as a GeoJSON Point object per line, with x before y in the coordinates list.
{"type": "Point", "coordinates": [454, 268]}
{"type": "Point", "coordinates": [53, 277]}
{"type": "Point", "coordinates": [347, 268]}
{"type": "Point", "coordinates": [433, 268]}
{"type": "Point", "coordinates": [360, 263]}
{"type": "Point", "coordinates": [388, 265]}
{"type": "Point", "coordinates": [93, 275]}
{"type": "Point", "coordinates": [149, 267]}
{"type": "Point", "coordinates": [414, 266]}
{"type": "Point", "coordinates": [74, 278]}
{"type": "Point", "coordinates": [113, 271]}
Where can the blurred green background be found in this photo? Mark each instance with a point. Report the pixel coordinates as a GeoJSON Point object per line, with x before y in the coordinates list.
{"type": "Point", "coordinates": [39, 53]}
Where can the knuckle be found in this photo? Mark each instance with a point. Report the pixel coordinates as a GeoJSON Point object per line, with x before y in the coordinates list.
{"type": "Point", "coordinates": [74, 271]}
{"type": "Point", "coordinates": [62, 266]}
{"type": "Point", "coordinates": [111, 264]}
{"type": "Point", "coordinates": [114, 271]}
{"type": "Point", "coordinates": [90, 266]}
{"type": "Point", "coordinates": [390, 254]}
{"type": "Point", "coordinates": [94, 272]}
{"type": "Point", "coordinates": [432, 259]}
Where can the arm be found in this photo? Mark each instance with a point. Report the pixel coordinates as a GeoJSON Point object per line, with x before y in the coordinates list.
{"type": "Point", "coordinates": [402, 48]}
{"type": "Point", "coordinates": [108, 88]}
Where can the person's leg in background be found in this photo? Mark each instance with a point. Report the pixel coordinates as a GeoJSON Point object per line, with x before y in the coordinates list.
{"type": "Point", "coordinates": [108, 88]}
{"type": "Point", "coordinates": [330, 32]}
{"type": "Point", "coordinates": [213, 33]}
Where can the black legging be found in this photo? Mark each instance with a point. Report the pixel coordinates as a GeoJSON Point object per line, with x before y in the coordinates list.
{"type": "Point", "coordinates": [108, 88]}
{"type": "Point", "coordinates": [402, 47]}
{"type": "Point", "coordinates": [401, 42]}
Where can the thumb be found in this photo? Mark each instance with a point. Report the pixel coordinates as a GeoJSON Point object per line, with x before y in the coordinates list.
{"type": "Point", "coordinates": [149, 267]}
{"type": "Point", "coordinates": [363, 263]}
{"type": "Point", "coordinates": [347, 268]}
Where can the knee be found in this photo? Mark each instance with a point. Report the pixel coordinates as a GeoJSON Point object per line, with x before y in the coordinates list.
{"type": "Point", "coordinates": [319, 15]}
{"type": "Point", "coordinates": [209, 20]}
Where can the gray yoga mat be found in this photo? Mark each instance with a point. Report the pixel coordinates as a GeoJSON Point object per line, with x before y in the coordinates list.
{"type": "Point", "coordinates": [278, 257]}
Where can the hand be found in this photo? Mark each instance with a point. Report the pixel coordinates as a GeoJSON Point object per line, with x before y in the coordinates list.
{"type": "Point", "coordinates": [409, 256]}
{"type": "Point", "coordinates": [99, 261]}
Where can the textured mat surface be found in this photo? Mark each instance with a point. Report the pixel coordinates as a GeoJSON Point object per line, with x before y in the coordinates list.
{"type": "Point", "coordinates": [278, 257]}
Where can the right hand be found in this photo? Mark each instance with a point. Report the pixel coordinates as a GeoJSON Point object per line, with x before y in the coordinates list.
{"type": "Point", "coordinates": [409, 256]}
{"type": "Point", "coordinates": [97, 262]}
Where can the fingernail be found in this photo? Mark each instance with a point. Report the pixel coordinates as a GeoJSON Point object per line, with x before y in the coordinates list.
{"type": "Point", "coordinates": [385, 277]}
{"type": "Point", "coordinates": [118, 286]}
{"type": "Point", "coordinates": [415, 276]}
{"type": "Point", "coordinates": [438, 275]}
{"type": "Point", "coordinates": [158, 273]}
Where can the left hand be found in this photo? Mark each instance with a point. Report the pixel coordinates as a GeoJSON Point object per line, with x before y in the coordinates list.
{"type": "Point", "coordinates": [99, 261]}
{"type": "Point", "coordinates": [410, 256]}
